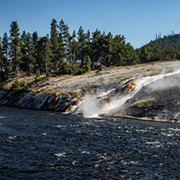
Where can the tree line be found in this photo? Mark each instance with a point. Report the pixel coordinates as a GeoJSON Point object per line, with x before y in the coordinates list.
{"type": "Point", "coordinates": [76, 53]}
{"type": "Point", "coordinates": [172, 41]}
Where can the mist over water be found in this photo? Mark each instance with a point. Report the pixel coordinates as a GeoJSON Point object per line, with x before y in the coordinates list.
{"type": "Point", "coordinates": [89, 106]}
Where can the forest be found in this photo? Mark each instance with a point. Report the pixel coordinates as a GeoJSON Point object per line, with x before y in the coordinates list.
{"type": "Point", "coordinates": [170, 41]}
{"type": "Point", "coordinates": [63, 53]}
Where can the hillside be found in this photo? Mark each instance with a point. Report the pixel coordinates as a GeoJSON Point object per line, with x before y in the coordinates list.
{"type": "Point", "coordinates": [92, 82]}
{"type": "Point", "coordinates": [168, 41]}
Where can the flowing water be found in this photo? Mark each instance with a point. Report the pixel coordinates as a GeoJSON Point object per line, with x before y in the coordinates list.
{"type": "Point", "coordinates": [48, 145]}
{"type": "Point", "coordinates": [140, 82]}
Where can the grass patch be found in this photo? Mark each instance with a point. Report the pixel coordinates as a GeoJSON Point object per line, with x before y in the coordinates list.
{"type": "Point", "coordinates": [37, 79]}
{"type": "Point", "coordinates": [49, 91]}
{"type": "Point", "coordinates": [144, 103]}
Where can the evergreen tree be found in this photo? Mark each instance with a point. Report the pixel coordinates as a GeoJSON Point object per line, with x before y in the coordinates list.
{"type": "Point", "coordinates": [118, 48]}
{"type": "Point", "coordinates": [82, 44]}
{"type": "Point", "coordinates": [107, 48]}
{"type": "Point", "coordinates": [73, 48]}
{"type": "Point", "coordinates": [22, 64]}
{"type": "Point", "coordinates": [35, 43]}
{"type": "Point", "coordinates": [144, 55]}
{"type": "Point", "coordinates": [64, 31]}
{"type": "Point", "coordinates": [156, 53]}
{"type": "Point", "coordinates": [60, 50]}
{"type": "Point", "coordinates": [15, 53]}
{"type": "Point", "coordinates": [88, 47]}
{"type": "Point", "coordinates": [35, 39]}
{"type": "Point", "coordinates": [1, 57]}
{"type": "Point", "coordinates": [29, 50]}
{"type": "Point", "coordinates": [54, 42]}
{"type": "Point", "coordinates": [5, 48]}
{"type": "Point", "coordinates": [46, 51]}
{"type": "Point", "coordinates": [167, 41]}
{"type": "Point", "coordinates": [88, 64]}
{"type": "Point", "coordinates": [88, 36]}
{"type": "Point", "coordinates": [95, 46]}
{"type": "Point", "coordinates": [5, 44]}
{"type": "Point", "coordinates": [39, 55]}
{"type": "Point", "coordinates": [128, 54]}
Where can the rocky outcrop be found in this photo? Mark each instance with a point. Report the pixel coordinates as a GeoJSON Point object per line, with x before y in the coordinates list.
{"type": "Point", "coordinates": [39, 101]}
{"type": "Point", "coordinates": [157, 97]}
{"type": "Point", "coordinates": [158, 100]}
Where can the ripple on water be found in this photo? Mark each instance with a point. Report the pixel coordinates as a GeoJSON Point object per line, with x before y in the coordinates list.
{"type": "Point", "coordinates": [41, 146]}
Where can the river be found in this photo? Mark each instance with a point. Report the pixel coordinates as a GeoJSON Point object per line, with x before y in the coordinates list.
{"type": "Point", "coordinates": [49, 145]}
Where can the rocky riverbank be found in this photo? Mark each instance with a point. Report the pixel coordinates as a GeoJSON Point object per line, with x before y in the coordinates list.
{"type": "Point", "coordinates": [157, 100]}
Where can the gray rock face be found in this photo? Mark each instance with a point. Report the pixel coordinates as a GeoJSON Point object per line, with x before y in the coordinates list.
{"type": "Point", "coordinates": [158, 99]}
{"type": "Point", "coordinates": [39, 101]}
{"type": "Point", "coordinates": [165, 93]}
{"type": "Point", "coordinates": [25, 101]}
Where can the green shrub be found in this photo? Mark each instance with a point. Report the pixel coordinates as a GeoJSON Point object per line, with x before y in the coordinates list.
{"type": "Point", "coordinates": [37, 79]}
{"type": "Point", "coordinates": [16, 86]}
{"type": "Point", "coordinates": [144, 103]}
{"type": "Point", "coordinates": [48, 74]}
{"type": "Point", "coordinates": [80, 71]}
{"type": "Point", "coordinates": [88, 65]}
{"type": "Point", "coordinates": [69, 68]}
{"type": "Point", "coordinates": [38, 73]}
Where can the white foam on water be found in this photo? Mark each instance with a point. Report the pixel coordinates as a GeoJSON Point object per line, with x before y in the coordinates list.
{"type": "Point", "coordinates": [60, 126]}
{"type": "Point", "coordinates": [154, 142]}
{"type": "Point", "coordinates": [44, 134]}
{"type": "Point", "coordinates": [12, 137]}
{"type": "Point", "coordinates": [61, 154]}
{"type": "Point", "coordinates": [3, 117]}
{"type": "Point", "coordinates": [173, 129]}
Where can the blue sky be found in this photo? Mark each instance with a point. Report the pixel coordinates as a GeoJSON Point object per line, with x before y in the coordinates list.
{"type": "Point", "coordinates": [138, 20]}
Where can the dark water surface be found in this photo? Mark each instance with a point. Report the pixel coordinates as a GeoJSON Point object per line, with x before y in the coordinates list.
{"type": "Point", "coordinates": [48, 145]}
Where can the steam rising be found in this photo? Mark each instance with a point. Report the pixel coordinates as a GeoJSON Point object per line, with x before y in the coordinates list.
{"type": "Point", "coordinates": [91, 107]}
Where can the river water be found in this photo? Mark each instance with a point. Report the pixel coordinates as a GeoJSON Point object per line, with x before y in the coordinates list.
{"type": "Point", "coordinates": [49, 145]}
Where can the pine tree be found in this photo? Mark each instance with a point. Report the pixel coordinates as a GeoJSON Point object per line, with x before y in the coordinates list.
{"type": "Point", "coordinates": [82, 44]}
{"type": "Point", "coordinates": [30, 50]}
{"type": "Point", "coordinates": [5, 48]}
{"type": "Point", "coordinates": [88, 64]}
{"type": "Point", "coordinates": [95, 45]}
{"type": "Point", "coordinates": [73, 48]}
{"type": "Point", "coordinates": [5, 44]}
{"type": "Point", "coordinates": [118, 50]}
{"type": "Point", "coordinates": [46, 50]}
{"type": "Point", "coordinates": [107, 48]}
{"type": "Point", "coordinates": [60, 50]}
{"type": "Point", "coordinates": [23, 65]}
{"type": "Point", "coordinates": [35, 39]}
{"type": "Point", "coordinates": [1, 57]}
{"type": "Point", "coordinates": [15, 53]}
{"type": "Point", "coordinates": [35, 43]}
{"type": "Point", "coordinates": [88, 49]}
{"type": "Point", "coordinates": [54, 42]}
{"type": "Point", "coordinates": [64, 30]}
